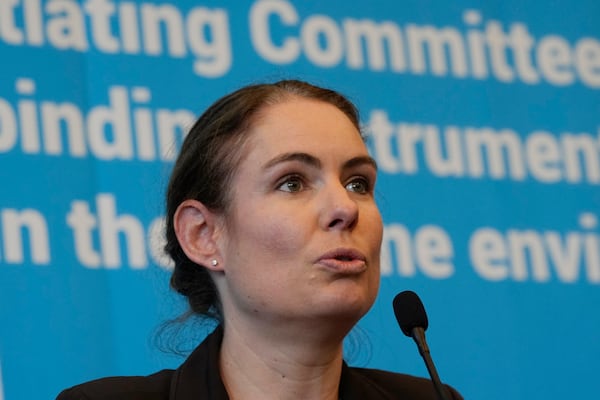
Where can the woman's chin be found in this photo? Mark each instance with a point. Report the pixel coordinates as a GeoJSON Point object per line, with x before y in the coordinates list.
{"type": "Point", "coordinates": [344, 306]}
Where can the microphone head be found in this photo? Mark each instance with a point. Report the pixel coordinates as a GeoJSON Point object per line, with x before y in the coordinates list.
{"type": "Point", "coordinates": [410, 312]}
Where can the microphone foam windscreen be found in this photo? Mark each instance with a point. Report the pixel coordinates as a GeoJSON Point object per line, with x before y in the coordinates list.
{"type": "Point", "coordinates": [410, 312]}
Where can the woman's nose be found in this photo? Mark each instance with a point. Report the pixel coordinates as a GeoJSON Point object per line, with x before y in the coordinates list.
{"type": "Point", "coordinates": [340, 210]}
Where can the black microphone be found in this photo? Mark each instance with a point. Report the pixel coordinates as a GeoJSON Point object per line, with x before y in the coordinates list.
{"type": "Point", "coordinates": [412, 319]}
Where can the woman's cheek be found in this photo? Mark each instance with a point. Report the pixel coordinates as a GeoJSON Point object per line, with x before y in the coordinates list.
{"type": "Point", "coordinates": [280, 236]}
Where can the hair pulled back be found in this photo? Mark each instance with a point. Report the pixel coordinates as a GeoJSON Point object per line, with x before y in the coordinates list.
{"type": "Point", "coordinates": [208, 160]}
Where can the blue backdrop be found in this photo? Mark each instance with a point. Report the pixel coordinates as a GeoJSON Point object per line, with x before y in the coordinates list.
{"type": "Point", "coordinates": [483, 117]}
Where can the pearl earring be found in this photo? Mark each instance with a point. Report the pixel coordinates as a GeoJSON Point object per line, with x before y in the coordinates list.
{"type": "Point", "coordinates": [214, 262]}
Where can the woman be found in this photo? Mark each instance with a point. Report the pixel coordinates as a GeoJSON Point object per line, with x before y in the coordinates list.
{"type": "Point", "coordinates": [274, 230]}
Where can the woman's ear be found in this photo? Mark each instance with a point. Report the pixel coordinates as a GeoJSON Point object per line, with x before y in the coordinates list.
{"type": "Point", "coordinates": [197, 229]}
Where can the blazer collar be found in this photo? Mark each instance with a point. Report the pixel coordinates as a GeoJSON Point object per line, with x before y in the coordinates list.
{"type": "Point", "coordinates": [199, 376]}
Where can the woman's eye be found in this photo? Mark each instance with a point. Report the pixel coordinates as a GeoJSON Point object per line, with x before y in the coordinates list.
{"type": "Point", "coordinates": [291, 184]}
{"type": "Point", "coordinates": [358, 185]}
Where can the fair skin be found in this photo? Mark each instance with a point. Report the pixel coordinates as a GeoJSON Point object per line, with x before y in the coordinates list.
{"type": "Point", "coordinates": [298, 251]}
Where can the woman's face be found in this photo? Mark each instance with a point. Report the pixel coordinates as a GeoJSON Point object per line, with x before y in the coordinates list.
{"type": "Point", "coordinates": [303, 235]}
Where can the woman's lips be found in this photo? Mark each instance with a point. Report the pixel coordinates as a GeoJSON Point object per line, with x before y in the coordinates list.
{"type": "Point", "coordinates": [344, 261]}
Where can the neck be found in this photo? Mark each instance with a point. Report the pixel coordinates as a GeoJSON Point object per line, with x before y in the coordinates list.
{"type": "Point", "coordinates": [287, 363]}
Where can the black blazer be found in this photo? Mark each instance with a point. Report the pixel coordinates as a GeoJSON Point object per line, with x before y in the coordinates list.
{"type": "Point", "coordinates": [198, 378]}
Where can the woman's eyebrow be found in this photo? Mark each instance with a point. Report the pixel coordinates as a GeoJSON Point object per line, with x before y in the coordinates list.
{"type": "Point", "coordinates": [362, 160]}
{"type": "Point", "coordinates": [287, 157]}
{"type": "Point", "coordinates": [315, 162]}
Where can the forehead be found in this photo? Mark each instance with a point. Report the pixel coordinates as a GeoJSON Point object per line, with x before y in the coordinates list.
{"type": "Point", "coordinates": [302, 124]}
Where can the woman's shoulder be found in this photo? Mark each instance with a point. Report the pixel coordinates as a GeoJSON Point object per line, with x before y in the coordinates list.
{"type": "Point", "coordinates": [395, 384]}
{"type": "Point", "coordinates": [151, 387]}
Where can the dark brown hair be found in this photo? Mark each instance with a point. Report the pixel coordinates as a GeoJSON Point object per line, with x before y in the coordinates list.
{"type": "Point", "coordinates": [209, 157]}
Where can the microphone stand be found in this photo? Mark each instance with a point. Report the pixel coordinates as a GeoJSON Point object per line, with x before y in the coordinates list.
{"type": "Point", "coordinates": [418, 335]}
